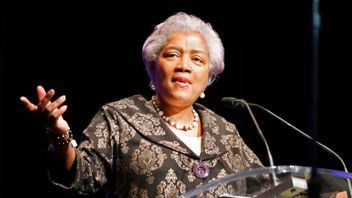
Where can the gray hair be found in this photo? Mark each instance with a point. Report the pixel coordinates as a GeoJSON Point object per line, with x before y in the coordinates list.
{"type": "Point", "coordinates": [185, 22]}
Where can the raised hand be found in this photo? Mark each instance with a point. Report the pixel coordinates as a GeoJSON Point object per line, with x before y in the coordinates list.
{"type": "Point", "coordinates": [48, 113]}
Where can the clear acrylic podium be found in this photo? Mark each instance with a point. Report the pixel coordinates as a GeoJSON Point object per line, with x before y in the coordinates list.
{"type": "Point", "coordinates": [283, 182]}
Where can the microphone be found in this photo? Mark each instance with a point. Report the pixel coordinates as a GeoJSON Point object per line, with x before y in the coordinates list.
{"type": "Point", "coordinates": [232, 102]}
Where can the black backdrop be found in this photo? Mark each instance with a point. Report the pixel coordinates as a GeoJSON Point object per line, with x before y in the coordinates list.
{"type": "Point", "coordinates": [91, 52]}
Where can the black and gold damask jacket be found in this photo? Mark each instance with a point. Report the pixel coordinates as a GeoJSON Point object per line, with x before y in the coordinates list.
{"type": "Point", "coordinates": [129, 150]}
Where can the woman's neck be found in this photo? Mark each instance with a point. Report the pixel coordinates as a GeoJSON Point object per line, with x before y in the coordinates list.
{"type": "Point", "coordinates": [185, 119]}
{"type": "Point", "coordinates": [181, 115]}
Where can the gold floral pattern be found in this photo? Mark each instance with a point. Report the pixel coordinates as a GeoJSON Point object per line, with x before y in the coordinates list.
{"type": "Point", "coordinates": [233, 161]}
{"type": "Point", "coordinates": [147, 124]}
{"type": "Point", "coordinates": [124, 104]}
{"type": "Point", "coordinates": [230, 141]}
{"type": "Point", "coordinates": [171, 186]}
{"type": "Point", "coordinates": [146, 159]}
{"type": "Point", "coordinates": [137, 193]}
{"type": "Point", "coordinates": [175, 145]}
{"type": "Point", "coordinates": [211, 121]}
{"type": "Point", "coordinates": [102, 135]}
{"type": "Point", "coordinates": [126, 134]}
{"type": "Point", "coordinates": [211, 147]}
{"type": "Point", "coordinates": [128, 144]}
{"type": "Point", "coordinates": [229, 126]}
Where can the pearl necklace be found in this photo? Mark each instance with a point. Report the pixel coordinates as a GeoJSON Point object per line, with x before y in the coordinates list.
{"type": "Point", "coordinates": [171, 122]}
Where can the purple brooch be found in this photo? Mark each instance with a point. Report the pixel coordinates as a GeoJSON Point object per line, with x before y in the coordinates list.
{"type": "Point", "coordinates": [200, 169]}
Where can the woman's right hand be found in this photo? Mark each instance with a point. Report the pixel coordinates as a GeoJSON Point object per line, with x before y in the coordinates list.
{"type": "Point", "coordinates": [48, 113]}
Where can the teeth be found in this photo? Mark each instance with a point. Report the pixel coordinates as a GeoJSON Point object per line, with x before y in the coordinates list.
{"type": "Point", "coordinates": [182, 84]}
{"type": "Point", "coordinates": [179, 81]}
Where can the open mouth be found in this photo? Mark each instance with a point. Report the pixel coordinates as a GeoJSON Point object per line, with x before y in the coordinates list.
{"type": "Point", "coordinates": [182, 82]}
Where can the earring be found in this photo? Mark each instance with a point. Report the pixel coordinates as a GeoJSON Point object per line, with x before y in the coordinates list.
{"type": "Point", "coordinates": [152, 87]}
{"type": "Point", "coordinates": [202, 95]}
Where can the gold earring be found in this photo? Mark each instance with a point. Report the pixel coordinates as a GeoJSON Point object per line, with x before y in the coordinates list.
{"type": "Point", "coordinates": [202, 95]}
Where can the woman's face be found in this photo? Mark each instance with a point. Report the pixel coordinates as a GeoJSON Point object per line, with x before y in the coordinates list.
{"type": "Point", "coordinates": [182, 68]}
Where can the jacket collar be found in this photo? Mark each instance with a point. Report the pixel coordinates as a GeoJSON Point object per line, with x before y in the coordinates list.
{"type": "Point", "coordinates": [142, 116]}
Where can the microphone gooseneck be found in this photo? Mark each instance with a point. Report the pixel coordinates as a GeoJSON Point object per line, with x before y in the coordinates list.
{"type": "Point", "coordinates": [312, 139]}
{"type": "Point", "coordinates": [234, 102]}
{"type": "Point", "coordinates": [303, 134]}
{"type": "Point", "coordinates": [261, 134]}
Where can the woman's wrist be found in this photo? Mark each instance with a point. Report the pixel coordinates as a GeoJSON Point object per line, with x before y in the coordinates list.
{"type": "Point", "coordinates": [61, 139]}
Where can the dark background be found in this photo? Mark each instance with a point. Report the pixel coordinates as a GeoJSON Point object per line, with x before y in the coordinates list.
{"type": "Point", "coordinates": [91, 52]}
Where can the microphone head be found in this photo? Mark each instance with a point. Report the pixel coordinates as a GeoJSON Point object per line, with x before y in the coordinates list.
{"type": "Point", "coordinates": [232, 102]}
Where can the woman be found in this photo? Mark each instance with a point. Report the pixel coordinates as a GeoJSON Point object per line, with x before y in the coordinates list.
{"type": "Point", "coordinates": [162, 146]}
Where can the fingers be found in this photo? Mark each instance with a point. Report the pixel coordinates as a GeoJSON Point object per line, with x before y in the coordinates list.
{"type": "Point", "coordinates": [58, 112]}
{"type": "Point", "coordinates": [28, 104]}
{"type": "Point", "coordinates": [53, 106]}
{"type": "Point", "coordinates": [54, 119]}
{"type": "Point", "coordinates": [48, 111]}
{"type": "Point", "coordinates": [45, 100]}
{"type": "Point", "coordinates": [40, 92]}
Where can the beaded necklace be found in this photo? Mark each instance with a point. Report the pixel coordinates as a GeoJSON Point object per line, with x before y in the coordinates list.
{"type": "Point", "coordinates": [171, 122]}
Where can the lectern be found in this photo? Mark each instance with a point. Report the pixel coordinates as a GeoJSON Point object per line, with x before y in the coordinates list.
{"type": "Point", "coordinates": [285, 182]}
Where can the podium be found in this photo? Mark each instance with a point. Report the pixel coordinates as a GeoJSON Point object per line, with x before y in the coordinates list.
{"type": "Point", "coordinates": [281, 182]}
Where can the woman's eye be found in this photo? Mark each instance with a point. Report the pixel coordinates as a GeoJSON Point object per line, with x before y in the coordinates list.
{"type": "Point", "coordinates": [198, 60]}
{"type": "Point", "coordinates": [171, 55]}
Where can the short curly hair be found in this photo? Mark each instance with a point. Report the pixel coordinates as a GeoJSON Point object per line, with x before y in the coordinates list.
{"type": "Point", "coordinates": [185, 22]}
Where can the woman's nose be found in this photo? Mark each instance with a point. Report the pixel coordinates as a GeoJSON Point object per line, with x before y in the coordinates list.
{"type": "Point", "coordinates": [184, 66]}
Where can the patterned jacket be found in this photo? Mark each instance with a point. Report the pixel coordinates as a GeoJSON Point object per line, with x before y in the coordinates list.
{"type": "Point", "coordinates": [128, 150]}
